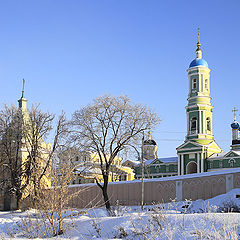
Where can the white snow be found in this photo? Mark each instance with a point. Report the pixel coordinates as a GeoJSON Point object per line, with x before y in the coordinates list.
{"type": "Point", "coordinates": [177, 220]}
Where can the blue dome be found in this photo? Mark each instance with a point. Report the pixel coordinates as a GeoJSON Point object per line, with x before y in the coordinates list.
{"type": "Point", "coordinates": [235, 125]}
{"type": "Point", "coordinates": [198, 62]}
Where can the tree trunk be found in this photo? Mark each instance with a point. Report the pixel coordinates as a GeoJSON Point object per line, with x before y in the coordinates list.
{"type": "Point", "coordinates": [105, 194]}
{"type": "Point", "coordinates": [19, 198]}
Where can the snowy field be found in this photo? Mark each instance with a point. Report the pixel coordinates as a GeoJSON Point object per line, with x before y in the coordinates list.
{"type": "Point", "coordinates": [210, 219]}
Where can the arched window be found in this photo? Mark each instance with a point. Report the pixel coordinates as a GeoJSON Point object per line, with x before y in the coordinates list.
{"type": "Point", "coordinates": [194, 83]}
{"type": "Point", "coordinates": [208, 124]}
{"type": "Point", "coordinates": [193, 124]}
{"type": "Point", "coordinates": [206, 84]}
{"type": "Point", "coordinates": [231, 162]}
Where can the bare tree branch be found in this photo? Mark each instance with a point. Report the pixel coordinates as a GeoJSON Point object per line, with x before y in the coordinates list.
{"type": "Point", "coordinates": [108, 126]}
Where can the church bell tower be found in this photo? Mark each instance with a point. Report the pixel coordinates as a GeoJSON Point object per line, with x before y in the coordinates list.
{"type": "Point", "coordinates": [199, 143]}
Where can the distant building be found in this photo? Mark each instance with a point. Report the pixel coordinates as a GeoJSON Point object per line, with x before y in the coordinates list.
{"type": "Point", "coordinates": [87, 169]}
{"type": "Point", "coordinates": [155, 167]}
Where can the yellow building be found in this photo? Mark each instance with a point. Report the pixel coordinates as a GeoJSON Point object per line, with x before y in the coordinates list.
{"type": "Point", "coordinates": [19, 168]}
{"type": "Point", "coordinates": [87, 169]}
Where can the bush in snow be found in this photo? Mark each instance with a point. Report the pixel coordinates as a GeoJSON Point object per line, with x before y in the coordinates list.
{"type": "Point", "coordinates": [229, 206]}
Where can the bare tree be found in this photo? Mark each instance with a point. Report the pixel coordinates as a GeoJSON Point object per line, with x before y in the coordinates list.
{"type": "Point", "coordinates": [25, 158]}
{"type": "Point", "coordinates": [15, 173]}
{"type": "Point", "coordinates": [108, 126]}
{"type": "Point", "coordinates": [37, 127]}
{"type": "Point", "coordinates": [53, 203]}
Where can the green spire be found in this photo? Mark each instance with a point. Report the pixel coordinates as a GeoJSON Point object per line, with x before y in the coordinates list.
{"type": "Point", "coordinates": [22, 102]}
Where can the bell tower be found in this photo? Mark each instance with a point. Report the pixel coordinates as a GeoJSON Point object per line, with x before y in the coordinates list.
{"type": "Point", "coordinates": [199, 108]}
{"type": "Point", "coordinates": [199, 142]}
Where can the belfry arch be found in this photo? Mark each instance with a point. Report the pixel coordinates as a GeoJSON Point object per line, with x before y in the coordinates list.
{"type": "Point", "coordinates": [191, 167]}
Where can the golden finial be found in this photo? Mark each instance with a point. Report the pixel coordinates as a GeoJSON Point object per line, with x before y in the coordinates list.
{"type": "Point", "coordinates": [198, 43]}
{"type": "Point", "coordinates": [23, 87]}
{"type": "Point", "coordinates": [234, 112]}
{"type": "Point", "coordinates": [149, 135]}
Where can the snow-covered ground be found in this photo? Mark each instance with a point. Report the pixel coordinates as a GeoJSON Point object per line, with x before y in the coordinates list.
{"type": "Point", "coordinates": [177, 220]}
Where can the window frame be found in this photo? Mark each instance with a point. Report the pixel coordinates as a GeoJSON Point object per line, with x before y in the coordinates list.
{"type": "Point", "coordinates": [194, 84]}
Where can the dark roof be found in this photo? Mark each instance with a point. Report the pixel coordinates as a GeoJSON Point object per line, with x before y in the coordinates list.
{"type": "Point", "coordinates": [149, 142]}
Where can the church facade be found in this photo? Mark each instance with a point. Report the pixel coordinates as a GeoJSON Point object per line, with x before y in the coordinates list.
{"type": "Point", "coordinates": [199, 152]}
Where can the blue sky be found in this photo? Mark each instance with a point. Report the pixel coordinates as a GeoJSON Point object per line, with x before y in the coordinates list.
{"type": "Point", "coordinates": [72, 51]}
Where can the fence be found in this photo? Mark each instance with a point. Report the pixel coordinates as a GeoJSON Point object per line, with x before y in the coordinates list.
{"type": "Point", "coordinates": [191, 186]}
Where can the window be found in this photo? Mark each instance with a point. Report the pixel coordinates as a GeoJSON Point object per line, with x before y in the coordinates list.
{"type": "Point", "coordinates": [206, 84]}
{"type": "Point", "coordinates": [208, 124]}
{"type": "Point", "coordinates": [211, 165]}
{"type": "Point", "coordinates": [167, 168]}
{"type": "Point", "coordinates": [231, 162]}
{"type": "Point", "coordinates": [157, 168]}
{"type": "Point", "coordinates": [220, 164]}
{"type": "Point", "coordinates": [193, 124]}
{"type": "Point", "coordinates": [194, 83]}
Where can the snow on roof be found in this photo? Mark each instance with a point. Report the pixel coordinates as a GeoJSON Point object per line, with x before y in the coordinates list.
{"type": "Point", "coordinates": [218, 155]}
{"type": "Point", "coordinates": [235, 151]}
{"type": "Point", "coordinates": [135, 162]}
{"type": "Point", "coordinates": [147, 162]}
{"type": "Point", "coordinates": [169, 159]}
{"type": "Point", "coordinates": [222, 154]}
{"type": "Point", "coordinates": [81, 170]}
{"type": "Point", "coordinates": [163, 160]}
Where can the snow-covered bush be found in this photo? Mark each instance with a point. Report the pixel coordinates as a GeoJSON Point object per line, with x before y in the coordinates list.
{"type": "Point", "coordinates": [229, 206]}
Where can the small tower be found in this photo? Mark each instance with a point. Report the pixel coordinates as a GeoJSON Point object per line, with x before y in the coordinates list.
{"type": "Point", "coordinates": [149, 148]}
{"type": "Point", "coordinates": [199, 143]}
{"type": "Point", "coordinates": [235, 132]}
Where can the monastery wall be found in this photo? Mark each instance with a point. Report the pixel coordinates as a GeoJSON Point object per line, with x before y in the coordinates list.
{"type": "Point", "coordinates": [192, 186]}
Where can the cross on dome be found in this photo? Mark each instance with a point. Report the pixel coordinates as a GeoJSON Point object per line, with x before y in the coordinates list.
{"type": "Point", "coordinates": [198, 61]}
{"type": "Point", "coordinates": [234, 113]}
{"type": "Point", "coordinates": [198, 43]}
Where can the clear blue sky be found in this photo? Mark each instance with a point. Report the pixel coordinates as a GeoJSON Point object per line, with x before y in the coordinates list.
{"type": "Point", "coordinates": [72, 51]}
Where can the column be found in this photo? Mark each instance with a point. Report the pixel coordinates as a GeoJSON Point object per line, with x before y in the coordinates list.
{"type": "Point", "coordinates": [229, 182]}
{"type": "Point", "coordinates": [204, 122]}
{"type": "Point", "coordinates": [179, 190]}
{"type": "Point", "coordinates": [202, 163]}
{"type": "Point", "coordinates": [198, 163]}
{"type": "Point", "coordinates": [200, 122]}
{"type": "Point", "coordinates": [179, 164]}
{"type": "Point", "coordinates": [182, 164]}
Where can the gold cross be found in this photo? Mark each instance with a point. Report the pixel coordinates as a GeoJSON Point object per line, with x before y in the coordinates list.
{"type": "Point", "coordinates": [234, 112]}
{"type": "Point", "coordinates": [198, 34]}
